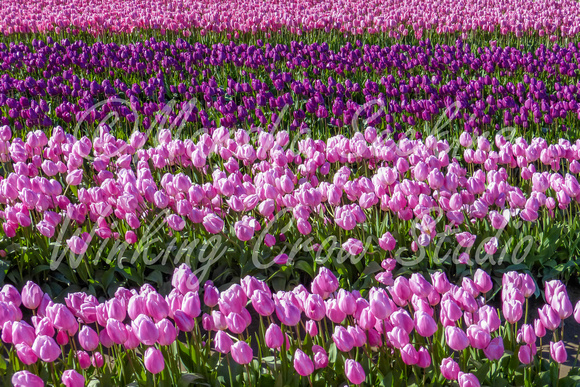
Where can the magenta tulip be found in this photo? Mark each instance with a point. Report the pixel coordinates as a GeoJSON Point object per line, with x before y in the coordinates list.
{"type": "Point", "coordinates": [153, 360]}
{"type": "Point", "coordinates": [354, 372]}
{"type": "Point", "coordinates": [302, 363]}
{"type": "Point", "coordinates": [71, 378]}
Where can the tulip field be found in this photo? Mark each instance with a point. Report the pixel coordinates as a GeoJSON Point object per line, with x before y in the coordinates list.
{"type": "Point", "coordinates": [289, 193]}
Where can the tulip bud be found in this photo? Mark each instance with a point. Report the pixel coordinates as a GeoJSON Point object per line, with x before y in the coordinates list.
{"type": "Point", "coordinates": [153, 360]}
{"type": "Point", "coordinates": [26, 379]}
{"type": "Point", "coordinates": [302, 363]}
{"type": "Point", "coordinates": [242, 353]}
{"type": "Point", "coordinates": [558, 352]}
{"type": "Point", "coordinates": [71, 378]}
{"type": "Point", "coordinates": [449, 369]}
{"type": "Point", "coordinates": [274, 336]}
{"type": "Point", "coordinates": [354, 372]}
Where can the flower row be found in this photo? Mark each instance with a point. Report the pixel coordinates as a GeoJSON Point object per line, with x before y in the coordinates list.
{"type": "Point", "coordinates": [414, 323]}
{"type": "Point", "coordinates": [352, 16]}
{"type": "Point", "coordinates": [121, 185]}
{"type": "Point", "coordinates": [396, 101]}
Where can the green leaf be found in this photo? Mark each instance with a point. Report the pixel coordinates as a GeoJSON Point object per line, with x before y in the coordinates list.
{"type": "Point", "coordinates": [189, 379]}
{"type": "Point", "coordinates": [387, 380]}
{"type": "Point", "coordinates": [305, 266]}
{"type": "Point", "coordinates": [372, 268]}
{"type": "Point", "coordinates": [155, 277]}
{"type": "Point", "coordinates": [279, 283]}
{"type": "Point", "coordinates": [185, 356]}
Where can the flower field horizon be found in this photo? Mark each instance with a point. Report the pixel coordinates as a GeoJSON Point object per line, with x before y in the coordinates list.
{"type": "Point", "coordinates": [301, 193]}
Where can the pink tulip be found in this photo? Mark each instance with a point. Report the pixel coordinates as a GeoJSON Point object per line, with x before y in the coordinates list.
{"type": "Point", "coordinates": [210, 294]}
{"type": "Point", "coordinates": [562, 305]}
{"type": "Point", "coordinates": [303, 227]}
{"type": "Point", "coordinates": [449, 369]}
{"type": "Point", "coordinates": [354, 372]}
{"type": "Point", "coordinates": [315, 308]}
{"type": "Point", "coordinates": [77, 245]}
{"type": "Point", "coordinates": [346, 302]}
{"type": "Point", "coordinates": [167, 332]}
{"type": "Point", "coordinates": [302, 363]}
{"type": "Point", "coordinates": [46, 348]}
{"type": "Point", "coordinates": [525, 354]}
{"type": "Point", "coordinates": [539, 328]}
{"type": "Point", "coordinates": [549, 318]}
{"type": "Point", "coordinates": [343, 340]}
{"type": "Point", "coordinates": [83, 359]}
{"type": "Point", "coordinates": [22, 332]}
{"type": "Point", "coordinates": [213, 223]}
{"type": "Point", "coordinates": [577, 312]}
{"type": "Point", "coordinates": [512, 311]}
{"type": "Point", "coordinates": [379, 303]}
{"type": "Point", "coordinates": [398, 337]}
{"type": "Point", "coordinates": [424, 358]}
{"type": "Point", "coordinates": [558, 352]}
{"type": "Point", "coordinates": [274, 337]}
{"type": "Point", "coordinates": [184, 280]}
{"type": "Point", "coordinates": [183, 322]}
{"type": "Point", "coordinates": [419, 285]}
{"type": "Point", "coordinates": [244, 231]}
{"type": "Point", "coordinates": [26, 354]}
{"type": "Point", "coordinates": [116, 331]}
{"type": "Point", "coordinates": [242, 353]}
{"type": "Point", "coordinates": [31, 295]}
{"type": "Point", "coordinates": [456, 338]}
{"type": "Point", "coordinates": [387, 242]}
{"type": "Point", "coordinates": [465, 239]}
{"type": "Point", "coordinates": [482, 281]}
{"type": "Point", "coordinates": [281, 259]}
{"type": "Point", "coordinates": [401, 319]}
{"type": "Point", "coordinates": [353, 246]}
{"type": "Point", "coordinates": [311, 328]}
{"type": "Point", "coordinates": [131, 237]}
{"type": "Point", "coordinates": [190, 305]}
{"type": "Point", "coordinates": [145, 330]}
{"type": "Point", "coordinates": [491, 246]}
{"type": "Point", "coordinates": [97, 360]}
{"type": "Point", "coordinates": [75, 177]}
{"type": "Point", "coordinates": [222, 342]}
{"type": "Point", "coordinates": [175, 222]}
{"type": "Point", "coordinates": [440, 282]}
{"type": "Point", "coordinates": [425, 324]}
{"type": "Point", "coordinates": [409, 354]}
{"type": "Point", "coordinates": [263, 303]}
{"type": "Point", "coordinates": [402, 289]}
{"type": "Point", "coordinates": [495, 349]}
{"type": "Point", "coordinates": [358, 335]}
{"type": "Point", "coordinates": [71, 378]}
{"type": "Point", "coordinates": [153, 360]}
{"type": "Point", "coordinates": [479, 338]}
{"type": "Point", "coordinates": [468, 380]}
{"type": "Point", "coordinates": [527, 334]}
{"type": "Point", "coordinates": [26, 379]}
{"type": "Point", "coordinates": [367, 319]}
{"type": "Point", "coordinates": [320, 357]}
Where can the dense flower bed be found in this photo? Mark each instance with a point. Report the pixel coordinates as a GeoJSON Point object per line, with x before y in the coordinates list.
{"type": "Point", "coordinates": [236, 159]}
{"type": "Point", "coordinates": [429, 331]}
{"type": "Point", "coordinates": [367, 193]}
{"type": "Point", "coordinates": [305, 87]}
{"type": "Point", "coordinates": [354, 16]}
{"type": "Point", "coordinates": [74, 190]}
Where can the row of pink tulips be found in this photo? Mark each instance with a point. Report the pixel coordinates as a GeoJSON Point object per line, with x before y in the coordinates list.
{"type": "Point", "coordinates": [419, 324]}
{"type": "Point", "coordinates": [352, 16]}
{"type": "Point", "coordinates": [255, 176]}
